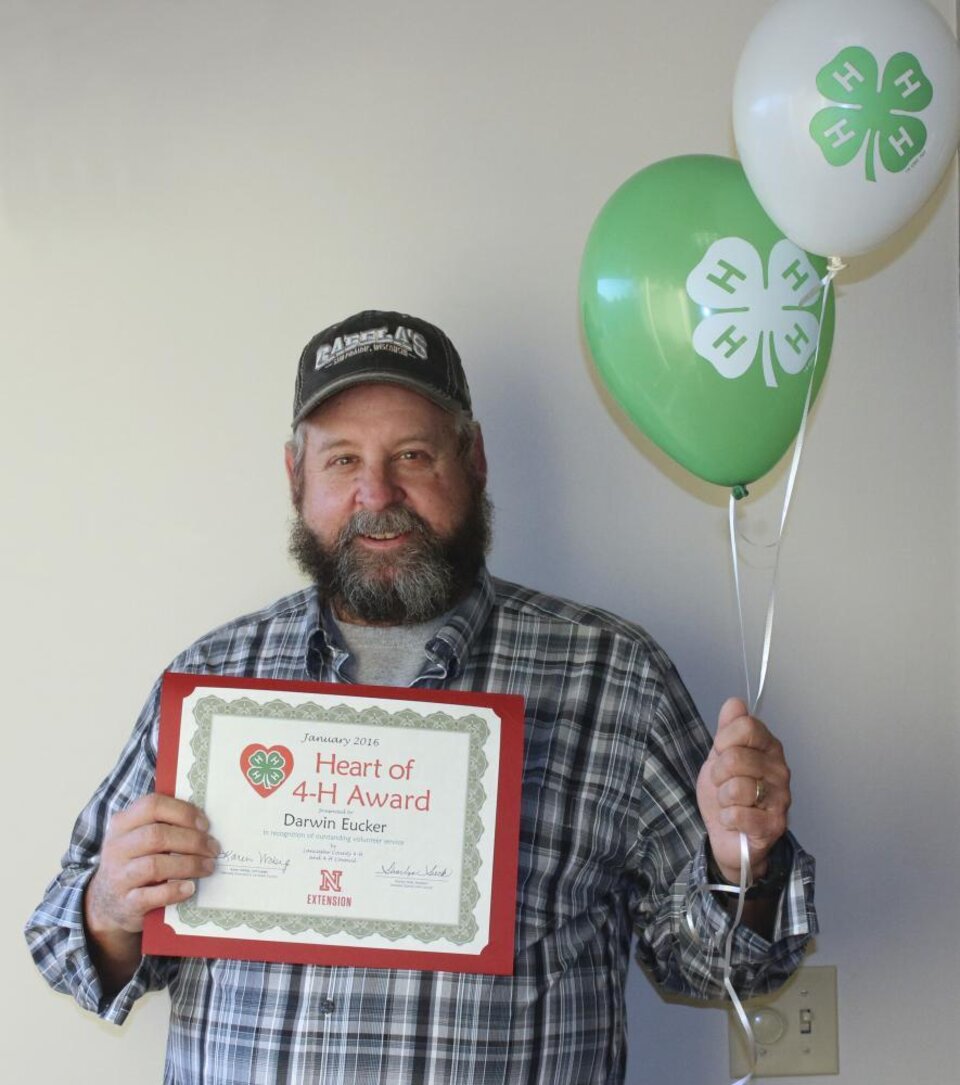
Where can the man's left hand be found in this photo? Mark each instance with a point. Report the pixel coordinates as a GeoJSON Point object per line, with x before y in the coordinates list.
{"type": "Point", "coordinates": [744, 786]}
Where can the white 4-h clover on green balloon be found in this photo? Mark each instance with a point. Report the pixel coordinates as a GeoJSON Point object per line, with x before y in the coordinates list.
{"type": "Point", "coordinates": [752, 309]}
{"type": "Point", "coordinates": [846, 115]}
{"type": "Point", "coordinates": [702, 319]}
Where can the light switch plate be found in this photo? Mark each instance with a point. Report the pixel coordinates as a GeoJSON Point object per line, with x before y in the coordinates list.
{"type": "Point", "coordinates": [795, 1027]}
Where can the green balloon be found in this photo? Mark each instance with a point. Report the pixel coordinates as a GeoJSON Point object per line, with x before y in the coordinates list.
{"type": "Point", "coordinates": [702, 318]}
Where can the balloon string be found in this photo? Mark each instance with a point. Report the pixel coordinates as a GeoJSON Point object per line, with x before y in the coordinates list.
{"type": "Point", "coordinates": [834, 266]}
{"type": "Point", "coordinates": [732, 522]}
{"type": "Point", "coordinates": [741, 891]}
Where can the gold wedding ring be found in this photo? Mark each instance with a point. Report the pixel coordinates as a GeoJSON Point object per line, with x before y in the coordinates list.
{"type": "Point", "coordinates": [761, 792]}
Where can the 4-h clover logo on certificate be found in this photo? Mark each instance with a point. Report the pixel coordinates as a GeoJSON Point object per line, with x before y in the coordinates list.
{"type": "Point", "coordinates": [754, 312]}
{"type": "Point", "coordinates": [265, 769]}
{"type": "Point", "coordinates": [872, 111]}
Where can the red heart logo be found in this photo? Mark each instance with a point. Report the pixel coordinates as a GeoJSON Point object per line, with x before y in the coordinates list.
{"type": "Point", "coordinates": [265, 768]}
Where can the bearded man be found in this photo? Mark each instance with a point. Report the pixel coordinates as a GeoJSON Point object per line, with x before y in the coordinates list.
{"type": "Point", "coordinates": [628, 809]}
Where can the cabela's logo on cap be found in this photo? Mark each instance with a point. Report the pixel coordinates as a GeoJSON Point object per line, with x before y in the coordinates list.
{"type": "Point", "coordinates": [402, 341]}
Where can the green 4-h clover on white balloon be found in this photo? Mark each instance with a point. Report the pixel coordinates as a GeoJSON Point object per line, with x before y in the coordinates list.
{"type": "Point", "coordinates": [846, 115]}
{"type": "Point", "coordinates": [880, 118]}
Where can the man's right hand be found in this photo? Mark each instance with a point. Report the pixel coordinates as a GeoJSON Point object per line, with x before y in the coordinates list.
{"type": "Point", "coordinates": [152, 853]}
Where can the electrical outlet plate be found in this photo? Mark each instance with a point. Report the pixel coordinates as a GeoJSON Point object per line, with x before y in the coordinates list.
{"type": "Point", "coordinates": [795, 1028]}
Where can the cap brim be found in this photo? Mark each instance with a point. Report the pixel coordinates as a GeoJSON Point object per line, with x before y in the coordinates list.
{"type": "Point", "coordinates": [373, 376]}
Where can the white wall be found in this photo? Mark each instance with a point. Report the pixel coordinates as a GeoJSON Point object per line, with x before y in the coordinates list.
{"type": "Point", "coordinates": [190, 190]}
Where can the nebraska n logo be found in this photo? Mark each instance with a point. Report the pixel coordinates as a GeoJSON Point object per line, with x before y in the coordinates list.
{"type": "Point", "coordinates": [330, 881]}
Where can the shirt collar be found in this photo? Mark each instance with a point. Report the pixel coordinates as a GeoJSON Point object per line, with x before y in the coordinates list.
{"type": "Point", "coordinates": [447, 649]}
{"type": "Point", "coordinates": [453, 641]}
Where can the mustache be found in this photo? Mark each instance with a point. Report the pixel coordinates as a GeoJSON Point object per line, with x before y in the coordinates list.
{"type": "Point", "coordinates": [411, 583]}
{"type": "Point", "coordinates": [395, 520]}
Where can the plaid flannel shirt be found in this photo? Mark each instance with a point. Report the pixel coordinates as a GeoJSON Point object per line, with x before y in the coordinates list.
{"type": "Point", "coordinates": [611, 848]}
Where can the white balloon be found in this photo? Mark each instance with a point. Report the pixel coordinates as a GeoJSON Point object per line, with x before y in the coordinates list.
{"type": "Point", "coordinates": [846, 115]}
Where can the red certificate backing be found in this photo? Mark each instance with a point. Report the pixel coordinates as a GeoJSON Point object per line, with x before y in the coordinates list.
{"type": "Point", "coordinates": [496, 958]}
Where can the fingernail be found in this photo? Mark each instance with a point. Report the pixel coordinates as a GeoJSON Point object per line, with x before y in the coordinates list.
{"type": "Point", "coordinates": [208, 866]}
{"type": "Point", "coordinates": [202, 823]}
{"type": "Point", "coordinates": [214, 845]}
{"type": "Point", "coordinates": [188, 888]}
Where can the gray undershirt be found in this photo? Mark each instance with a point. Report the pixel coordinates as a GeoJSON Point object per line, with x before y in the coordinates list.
{"type": "Point", "coordinates": [389, 655]}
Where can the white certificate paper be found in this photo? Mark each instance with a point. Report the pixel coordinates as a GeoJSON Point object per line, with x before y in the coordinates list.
{"type": "Point", "coordinates": [377, 828]}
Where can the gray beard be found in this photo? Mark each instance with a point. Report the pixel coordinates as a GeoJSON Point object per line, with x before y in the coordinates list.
{"type": "Point", "coordinates": [420, 582]}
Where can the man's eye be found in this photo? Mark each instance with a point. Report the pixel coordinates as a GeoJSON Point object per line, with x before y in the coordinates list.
{"type": "Point", "coordinates": [413, 454]}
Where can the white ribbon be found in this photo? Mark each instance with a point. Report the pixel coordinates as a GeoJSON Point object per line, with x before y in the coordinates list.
{"type": "Point", "coordinates": [834, 266]}
{"type": "Point", "coordinates": [741, 891]}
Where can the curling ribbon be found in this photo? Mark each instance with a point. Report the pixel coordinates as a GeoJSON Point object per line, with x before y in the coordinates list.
{"type": "Point", "coordinates": [834, 266]}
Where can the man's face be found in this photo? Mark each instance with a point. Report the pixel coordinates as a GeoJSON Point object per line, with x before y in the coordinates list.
{"type": "Point", "coordinates": [392, 515]}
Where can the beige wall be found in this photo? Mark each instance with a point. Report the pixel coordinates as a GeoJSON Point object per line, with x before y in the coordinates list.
{"type": "Point", "coordinates": [190, 190]}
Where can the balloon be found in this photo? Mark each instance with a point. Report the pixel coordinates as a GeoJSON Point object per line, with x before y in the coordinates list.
{"type": "Point", "coordinates": [846, 115]}
{"type": "Point", "coordinates": [701, 318]}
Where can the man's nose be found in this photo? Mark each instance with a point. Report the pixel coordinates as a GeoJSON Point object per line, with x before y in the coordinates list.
{"type": "Point", "coordinates": [378, 488]}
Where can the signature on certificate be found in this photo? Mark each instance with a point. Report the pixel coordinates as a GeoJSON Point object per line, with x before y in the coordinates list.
{"type": "Point", "coordinates": [261, 859]}
{"type": "Point", "coordinates": [431, 870]}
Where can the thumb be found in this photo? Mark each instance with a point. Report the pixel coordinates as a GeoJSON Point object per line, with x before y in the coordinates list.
{"type": "Point", "coordinates": [733, 708]}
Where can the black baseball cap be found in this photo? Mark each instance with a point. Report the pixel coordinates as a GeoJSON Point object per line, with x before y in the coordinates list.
{"type": "Point", "coordinates": [388, 347]}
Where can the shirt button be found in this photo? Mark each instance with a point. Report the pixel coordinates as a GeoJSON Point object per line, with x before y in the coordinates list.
{"type": "Point", "coordinates": [327, 1005]}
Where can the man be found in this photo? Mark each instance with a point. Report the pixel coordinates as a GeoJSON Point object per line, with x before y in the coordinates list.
{"type": "Point", "coordinates": [387, 475]}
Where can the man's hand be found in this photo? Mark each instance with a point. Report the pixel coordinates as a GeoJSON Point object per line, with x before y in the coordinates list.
{"type": "Point", "coordinates": [746, 764]}
{"type": "Point", "coordinates": [151, 854]}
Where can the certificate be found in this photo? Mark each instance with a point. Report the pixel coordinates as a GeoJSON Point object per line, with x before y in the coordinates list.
{"type": "Point", "coordinates": [376, 828]}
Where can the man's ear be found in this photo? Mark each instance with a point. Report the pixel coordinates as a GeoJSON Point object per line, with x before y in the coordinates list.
{"type": "Point", "coordinates": [478, 456]}
{"type": "Point", "coordinates": [292, 480]}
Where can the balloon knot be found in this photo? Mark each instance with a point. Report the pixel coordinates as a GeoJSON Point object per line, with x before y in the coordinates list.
{"type": "Point", "coordinates": [740, 492]}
